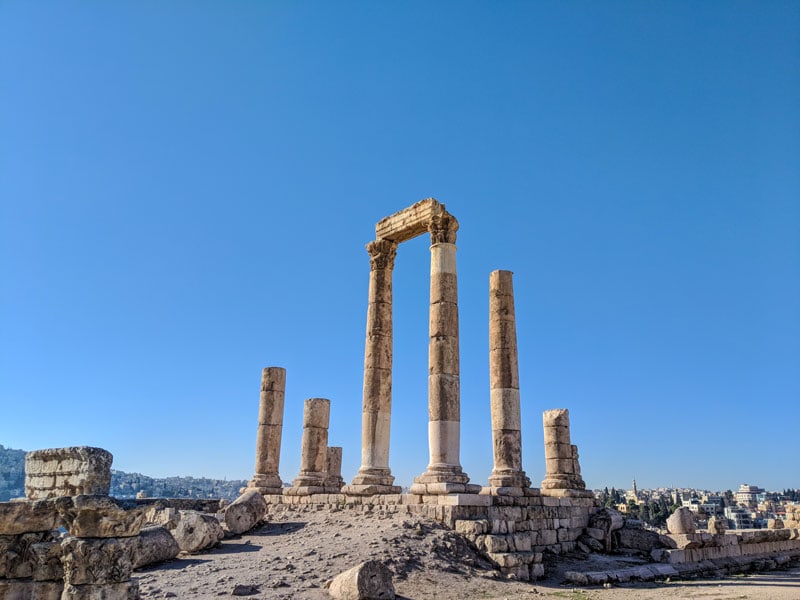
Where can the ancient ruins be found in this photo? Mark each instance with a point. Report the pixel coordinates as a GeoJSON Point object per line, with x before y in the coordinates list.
{"type": "Point", "coordinates": [511, 523]}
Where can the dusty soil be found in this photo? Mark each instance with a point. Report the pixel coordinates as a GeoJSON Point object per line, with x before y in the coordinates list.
{"type": "Point", "coordinates": [296, 553]}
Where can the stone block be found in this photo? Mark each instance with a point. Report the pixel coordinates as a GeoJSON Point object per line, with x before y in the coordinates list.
{"type": "Point", "coordinates": [548, 537]}
{"type": "Point", "coordinates": [196, 532]}
{"type": "Point", "coordinates": [48, 566]}
{"type": "Point", "coordinates": [245, 512]}
{"type": "Point", "coordinates": [470, 527]}
{"type": "Point", "coordinates": [31, 516]}
{"type": "Point", "coordinates": [99, 560]}
{"type": "Point", "coordinates": [17, 558]}
{"type": "Point", "coordinates": [128, 590]}
{"type": "Point", "coordinates": [464, 499]}
{"type": "Point", "coordinates": [69, 471]}
{"type": "Point", "coordinates": [23, 589]}
{"type": "Point", "coordinates": [496, 543]}
{"type": "Point", "coordinates": [102, 517]}
{"type": "Point", "coordinates": [155, 544]}
{"type": "Point", "coordinates": [522, 542]}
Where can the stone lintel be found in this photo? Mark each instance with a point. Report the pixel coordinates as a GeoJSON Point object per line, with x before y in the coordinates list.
{"type": "Point", "coordinates": [409, 222]}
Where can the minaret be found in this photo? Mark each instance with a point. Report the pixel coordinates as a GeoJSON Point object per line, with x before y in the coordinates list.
{"type": "Point", "coordinates": [635, 491]}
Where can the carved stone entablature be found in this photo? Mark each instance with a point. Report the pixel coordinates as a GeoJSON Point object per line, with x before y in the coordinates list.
{"type": "Point", "coordinates": [382, 254]}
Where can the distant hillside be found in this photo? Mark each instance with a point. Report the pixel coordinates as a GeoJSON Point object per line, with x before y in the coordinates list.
{"type": "Point", "coordinates": [12, 473]}
{"type": "Point", "coordinates": [123, 485]}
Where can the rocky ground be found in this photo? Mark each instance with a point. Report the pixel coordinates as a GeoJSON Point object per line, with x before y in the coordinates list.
{"type": "Point", "coordinates": [296, 553]}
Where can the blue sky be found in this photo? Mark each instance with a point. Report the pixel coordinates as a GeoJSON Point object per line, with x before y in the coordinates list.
{"type": "Point", "coordinates": [186, 189]}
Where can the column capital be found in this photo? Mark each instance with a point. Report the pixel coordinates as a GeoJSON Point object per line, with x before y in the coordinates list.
{"type": "Point", "coordinates": [381, 254]}
{"type": "Point", "coordinates": [443, 229]}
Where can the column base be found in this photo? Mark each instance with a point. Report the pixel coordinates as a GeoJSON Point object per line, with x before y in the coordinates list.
{"type": "Point", "coordinates": [377, 476]}
{"type": "Point", "coordinates": [265, 483]}
{"type": "Point", "coordinates": [264, 491]}
{"type": "Point", "coordinates": [508, 478]}
{"type": "Point", "coordinates": [562, 482]}
{"type": "Point", "coordinates": [370, 490]}
{"type": "Point", "coordinates": [444, 479]}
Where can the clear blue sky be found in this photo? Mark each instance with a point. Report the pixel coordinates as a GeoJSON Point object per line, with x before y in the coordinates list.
{"type": "Point", "coordinates": [186, 189]}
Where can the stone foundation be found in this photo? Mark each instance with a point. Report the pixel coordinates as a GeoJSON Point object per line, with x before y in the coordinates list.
{"type": "Point", "coordinates": [512, 531]}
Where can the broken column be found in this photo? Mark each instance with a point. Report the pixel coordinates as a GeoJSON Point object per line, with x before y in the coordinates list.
{"type": "Point", "coordinates": [561, 457]}
{"type": "Point", "coordinates": [270, 427]}
{"type": "Point", "coordinates": [375, 476]}
{"type": "Point", "coordinates": [313, 453]}
{"type": "Point", "coordinates": [507, 477]}
{"type": "Point", "coordinates": [333, 470]}
{"type": "Point", "coordinates": [444, 474]}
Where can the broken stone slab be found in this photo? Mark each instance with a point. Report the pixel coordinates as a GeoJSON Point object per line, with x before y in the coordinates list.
{"type": "Point", "coordinates": [71, 471]}
{"type": "Point", "coordinates": [98, 561]}
{"type": "Point", "coordinates": [128, 590]}
{"type": "Point", "coordinates": [681, 521]}
{"type": "Point", "coordinates": [102, 517]}
{"type": "Point", "coordinates": [371, 580]}
{"type": "Point", "coordinates": [642, 540]}
{"type": "Point", "coordinates": [717, 525]}
{"type": "Point", "coordinates": [197, 531]}
{"type": "Point", "coordinates": [17, 558]}
{"type": "Point", "coordinates": [24, 589]}
{"type": "Point", "coordinates": [155, 545]}
{"type": "Point", "coordinates": [32, 516]}
{"type": "Point", "coordinates": [245, 512]}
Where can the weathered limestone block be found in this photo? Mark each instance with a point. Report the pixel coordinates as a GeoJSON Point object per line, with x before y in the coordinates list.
{"type": "Point", "coordinates": [102, 517]}
{"type": "Point", "coordinates": [245, 512]}
{"type": "Point", "coordinates": [17, 557]}
{"type": "Point", "coordinates": [24, 589]}
{"type": "Point", "coordinates": [128, 590]}
{"type": "Point", "coordinates": [155, 545]}
{"type": "Point", "coordinates": [48, 566]}
{"type": "Point", "coordinates": [774, 524]}
{"type": "Point", "coordinates": [370, 580]}
{"type": "Point", "coordinates": [333, 470]}
{"type": "Point", "coordinates": [196, 531]}
{"type": "Point", "coordinates": [639, 539]}
{"type": "Point", "coordinates": [98, 560]}
{"type": "Point", "coordinates": [681, 521]}
{"type": "Point", "coordinates": [717, 525]}
{"type": "Point", "coordinates": [68, 471]}
{"type": "Point", "coordinates": [27, 517]}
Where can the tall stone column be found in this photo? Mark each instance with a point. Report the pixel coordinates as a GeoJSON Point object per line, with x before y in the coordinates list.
{"type": "Point", "coordinates": [561, 457]}
{"type": "Point", "coordinates": [507, 477]}
{"type": "Point", "coordinates": [314, 450]}
{"type": "Point", "coordinates": [270, 428]}
{"type": "Point", "coordinates": [444, 473]}
{"type": "Point", "coordinates": [374, 476]}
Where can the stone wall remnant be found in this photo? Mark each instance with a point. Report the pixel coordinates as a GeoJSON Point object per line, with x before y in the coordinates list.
{"type": "Point", "coordinates": [333, 470]}
{"type": "Point", "coordinates": [70, 471]}
{"type": "Point", "coordinates": [267, 480]}
{"type": "Point", "coordinates": [507, 477]}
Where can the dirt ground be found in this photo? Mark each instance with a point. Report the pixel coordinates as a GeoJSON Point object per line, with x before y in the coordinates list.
{"type": "Point", "coordinates": [296, 553]}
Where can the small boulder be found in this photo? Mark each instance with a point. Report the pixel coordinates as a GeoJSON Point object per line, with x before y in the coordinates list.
{"type": "Point", "coordinates": [245, 512]}
{"type": "Point", "coordinates": [196, 531]}
{"type": "Point", "coordinates": [681, 521]}
{"type": "Point", "coordinates": [370, 580]}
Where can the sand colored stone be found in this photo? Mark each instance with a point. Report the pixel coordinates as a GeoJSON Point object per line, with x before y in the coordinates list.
{"type": "Point", "coordinates": [507, 476]}
{"type": "Point", "coordinates": [270, 428]}
{"type": "Point", "coordinates": [444, 473]}
{"type": "Point", "coordinates": [314, 449]}
{"type": "Point", "coordinates": [563, 470]}
{"type": "Point", "coordinates": [67, 471]}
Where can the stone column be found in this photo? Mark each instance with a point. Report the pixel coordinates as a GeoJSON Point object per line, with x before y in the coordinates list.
{"type": "Point", "coordinates": [560, 455]}
{"type": "Point", "coordinates": [507, 477]}
{"type": "Point", "coordinates": [333, 470]}
{"type": "Point", "coordinates": [444, 474]}
{"type": "Point", "coordinates": [270, 428]}
{"type": "Point", "coordinates": [314, 450]}
{"type": "Point", "coordinates": [374, 476]}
